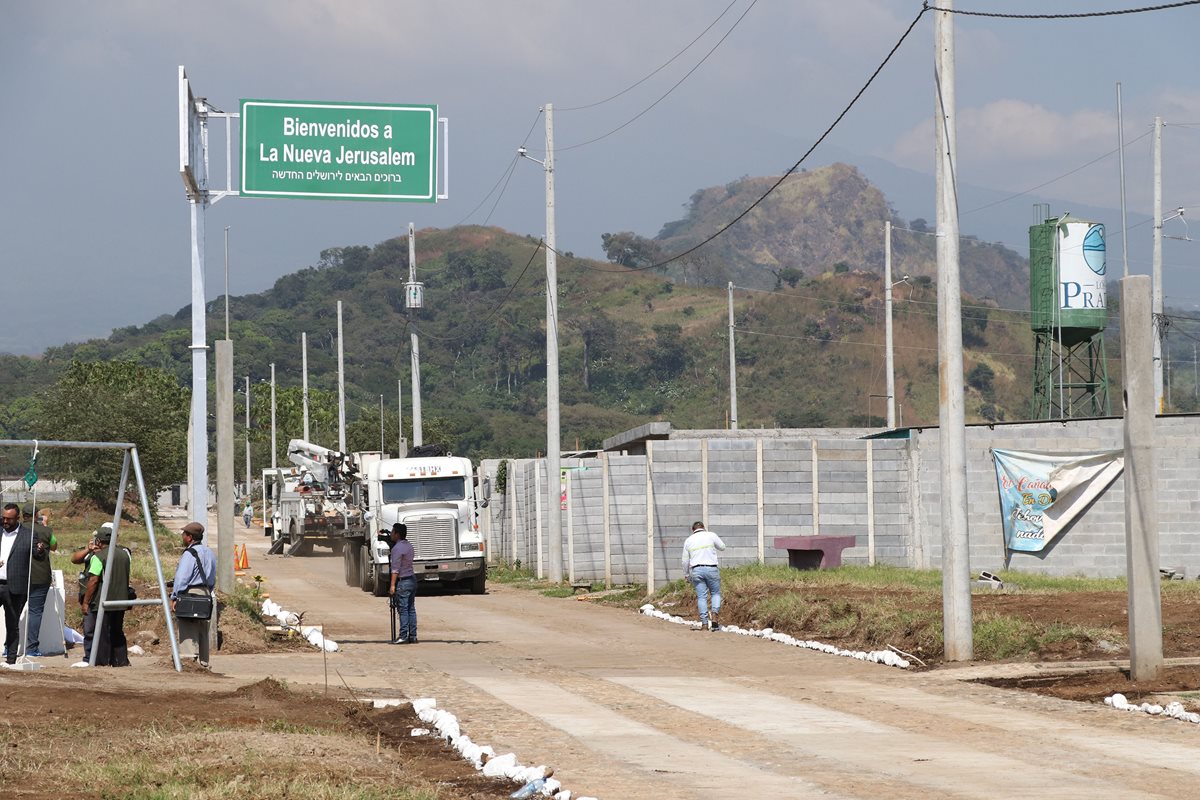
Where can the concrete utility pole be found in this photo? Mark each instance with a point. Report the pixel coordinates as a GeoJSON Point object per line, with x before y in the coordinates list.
{"type": "Point", "coordinates": [400, 443]}
{"type": "Point", "coordinates": [226, 281]}
{"type": "Point", "coordinates": [418, 432]}
{"type": "Point", "coordinates": [1121, 161]}
{"type": "Point", "coordinates": [274, 448]}
{"type": "Point", "coordinates": [304, 385]}
{"type": "Point", "coordinates": [956, 566]}
{"type": "Point", "coordinates": [887, 324]}
{"type": "Point", "coordinates": [1141, 508]}
{"type": "Point", "coordinates": [733, 417]}
{"type": "Point", "coordinates": [225, 466]}
{"type": "Point", "coordinates": [249, 481]}
{"type": "Point", "coordinates": [1156, 304]}
{"type": "Point", "coordinates": [341, 385]}
{"type": "Point", "coordinates": [381, 423]}
{"type": "Point", "coordinates": [553, 446]}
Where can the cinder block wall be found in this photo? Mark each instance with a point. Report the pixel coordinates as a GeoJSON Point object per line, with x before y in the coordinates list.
{"type": "Point", "coordinates": [906, 492]}
{"type": "Point", "coordinates": [1095, 544]}
{"type": "Point", "coordinates": [729, 504]}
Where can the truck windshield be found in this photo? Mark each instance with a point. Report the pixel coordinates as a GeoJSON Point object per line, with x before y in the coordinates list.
{"type": "Point", "coordinates": [424, 489]}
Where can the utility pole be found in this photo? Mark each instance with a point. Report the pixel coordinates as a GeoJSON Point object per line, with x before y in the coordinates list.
{"type": "Point", "coordinates": [402, 447]}
{"type": "Point", "coordinates": [1121, 160]}
{"type": "Point", "coordinates": [887, 324]}
{"type": "Point", "coordinates": [274, 448]}
{"type": "Point", "coordinates": [1157, 288]}
{"type": "Point", "coordinates": [733, 417]}
{"type": "Point", "coordinates": [956, 566]}
{"type": "Point", "coordinates": [225, 499]}
{"type": "Point", "coordinates": [1144, 611]}
{"type": "Point", "coordinates": [249, 483]}
{"type": "Point", "coordinates": [414, 302]}
{"type": "Point", "coordinates": [553, 446]}
{"type": "Point", "coordinates": [304, 385]}
{"type": "Point", "coordinates": [227, 282]}
{"type": "Point", "coordinates": [381, 423]}
{"type": "Point", "coordinates": [341, 385]}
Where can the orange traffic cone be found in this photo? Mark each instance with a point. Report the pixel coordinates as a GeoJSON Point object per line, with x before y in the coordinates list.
{"type": "Point", "coordinates": [244, 562]}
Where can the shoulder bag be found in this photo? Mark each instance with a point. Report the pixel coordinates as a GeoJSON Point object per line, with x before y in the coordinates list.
{"type": "Point", "coordinates": [195, 606]}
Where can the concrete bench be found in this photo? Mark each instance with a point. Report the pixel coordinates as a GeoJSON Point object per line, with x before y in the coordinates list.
{"type": "Point", "coordinates": [814, 552]}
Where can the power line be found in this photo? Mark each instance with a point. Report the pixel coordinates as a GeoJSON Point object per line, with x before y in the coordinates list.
{"type": "Point", "coordinates": [1055, 180]}
{"type": "Point", "coordinates": [673, 88]}
{"type": "Point", "coordinates": [498, 306]}
{"type": "Point", "coordinates": [507, 174]}
{"type": "Point", "coordinates": [869, 344]}
{"type": "Point", "coordinates": [503, 175]}
{"type": "Point", "coordinates": [1078, 15]}
{"type": "Point", "coordinates": [804, 157]}
{"type": "Point", "coordinates": [660, 69]}
{"type": "Point", "coordinates": [512, 168]}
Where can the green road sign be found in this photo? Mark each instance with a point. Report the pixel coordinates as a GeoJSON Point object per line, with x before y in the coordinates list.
{"type": "Point", "coordinates": [339, 151]}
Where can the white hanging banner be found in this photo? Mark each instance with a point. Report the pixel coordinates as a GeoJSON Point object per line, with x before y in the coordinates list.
{"type": "Point", "coordinates": [1041, 494]}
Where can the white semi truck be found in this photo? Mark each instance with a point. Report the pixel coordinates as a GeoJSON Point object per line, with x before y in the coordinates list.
{"type": "Point", "coordinates": [344, 501]}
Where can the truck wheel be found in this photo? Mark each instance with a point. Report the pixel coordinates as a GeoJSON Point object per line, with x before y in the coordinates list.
{"type": "Point", "coordinates": [381, 583]}
{"type": "Point", "coordinates": [364, 569]}
{"type": "Point", "coordinates": [350, 560]}
{"type": "Point", "coordinates": [336, 545]}
{"type": "Point", "coordinates": [479, 582]}
{"type": "Point", "coordinates": [298, 545]}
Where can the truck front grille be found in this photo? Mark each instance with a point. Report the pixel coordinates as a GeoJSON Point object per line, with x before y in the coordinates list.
{"type": "Point", "coordinates": [432, 537]}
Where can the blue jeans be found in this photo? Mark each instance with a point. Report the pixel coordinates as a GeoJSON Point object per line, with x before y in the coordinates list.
{"type": "Point", "coordinates": [405, 603]}
{"type": "Point", "coordinates": [37, 604]}
{"type": "Point", "coordinates": [707, 581]}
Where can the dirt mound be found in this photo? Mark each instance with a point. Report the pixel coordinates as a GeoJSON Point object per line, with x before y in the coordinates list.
{"type": "Point", "coordinates": [1173, 683]}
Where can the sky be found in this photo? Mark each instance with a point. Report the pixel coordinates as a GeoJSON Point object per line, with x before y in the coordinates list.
{"type": "Point", "coordinates": [94, 222]}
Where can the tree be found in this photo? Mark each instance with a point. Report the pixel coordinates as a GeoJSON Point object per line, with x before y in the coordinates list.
{"type": "Point", "coordinates": [789, 275]}
{"type": "Point", "coordinates": [974, 324]}
{"type": "Point", "coordinates": [289, 420]}
{"type": "Point", "coordinates": [630, 250]}
{"type": "Point", "coordinates": [117, 401]}
{"type": "Point", "coordinates": [981, 378]}
{"type": "Point", "coordinates": [597, 332]}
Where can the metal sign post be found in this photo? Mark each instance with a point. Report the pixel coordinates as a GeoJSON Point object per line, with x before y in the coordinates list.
{"type": "Point", "coordinates": [332, 151]}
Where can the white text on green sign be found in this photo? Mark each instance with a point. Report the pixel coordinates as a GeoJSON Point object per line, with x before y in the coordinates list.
{"type": "Point", "coordinates": [339, 150]}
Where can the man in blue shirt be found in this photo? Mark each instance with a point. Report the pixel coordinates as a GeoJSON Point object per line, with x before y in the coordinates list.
{"type": "Point", "coordinates": [196, 574]}
{"type": "Point", "coordinates": [404, 584]}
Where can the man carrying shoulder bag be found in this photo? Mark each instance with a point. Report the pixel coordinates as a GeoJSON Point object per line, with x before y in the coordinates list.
{"type": "Point", "coordinates": [192, 594]}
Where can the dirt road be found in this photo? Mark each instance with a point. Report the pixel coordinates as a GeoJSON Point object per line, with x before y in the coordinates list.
{"type": "Point", "coordinates": [624, 706]}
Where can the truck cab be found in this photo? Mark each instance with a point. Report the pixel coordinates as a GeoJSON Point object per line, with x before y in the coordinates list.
{"type": "Point", "coordinates": [438, 499]}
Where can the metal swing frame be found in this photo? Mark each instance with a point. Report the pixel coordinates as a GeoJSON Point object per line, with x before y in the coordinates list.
{"type": "Point", "coordinates": [164, 599]}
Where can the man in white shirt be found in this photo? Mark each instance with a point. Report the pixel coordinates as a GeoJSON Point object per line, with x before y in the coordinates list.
{"type": "Point", "coordinates": [700, 567]}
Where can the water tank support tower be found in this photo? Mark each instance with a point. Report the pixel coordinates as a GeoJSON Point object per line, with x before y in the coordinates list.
{"type": "Point", "coordinates": [1069, 304]}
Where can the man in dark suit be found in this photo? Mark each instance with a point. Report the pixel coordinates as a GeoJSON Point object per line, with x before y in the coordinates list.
{"type": "Point", "coordinates": [16, 543]}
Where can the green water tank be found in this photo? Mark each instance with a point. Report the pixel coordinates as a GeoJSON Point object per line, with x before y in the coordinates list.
{"type": "Point", "coordinates": [1067, 287]}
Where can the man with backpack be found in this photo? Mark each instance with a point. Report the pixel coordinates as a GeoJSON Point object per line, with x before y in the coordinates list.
{"type": "Point", "coordinates": [110, 643]}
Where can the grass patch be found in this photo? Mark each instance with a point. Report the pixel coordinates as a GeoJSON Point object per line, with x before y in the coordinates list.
{"type": "Point", "coordinates": [510, 573]}
{"type": "Point", "coordinates": [870, 608]}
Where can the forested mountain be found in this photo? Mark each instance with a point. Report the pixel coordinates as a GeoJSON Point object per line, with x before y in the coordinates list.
{"type": "Point", "coordinates": [638, 343]}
